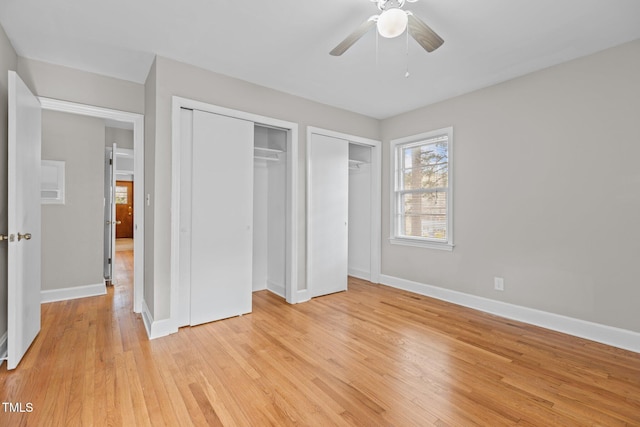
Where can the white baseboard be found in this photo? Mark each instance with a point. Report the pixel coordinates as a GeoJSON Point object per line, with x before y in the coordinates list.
{"type": "Point", "coordinates": [53, 295]}
{"type": "Point", "coordinates": [360, 274]}
{"type": "Point", "coordinates": [158, 328]}
{"type": "Point", "coordinates": [302, 295]}
{"type": "Point", "coordinates": [276, 288]}
{"type": "Point", "coordinates": [609, 335]}
{"type": "Point", "coordinates": [3, 347]}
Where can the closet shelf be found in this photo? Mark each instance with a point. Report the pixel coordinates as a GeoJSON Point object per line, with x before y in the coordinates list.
{"type": "Point", "coordinates": [268, 150]}
{"type": "Point", "coordinates": [271, 159]}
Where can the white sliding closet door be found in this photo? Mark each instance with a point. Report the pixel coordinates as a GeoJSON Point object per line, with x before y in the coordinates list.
{"type": "Point", "coordinates": [221, 217]}
{"type": "Point", "coordinates": [328, 215]}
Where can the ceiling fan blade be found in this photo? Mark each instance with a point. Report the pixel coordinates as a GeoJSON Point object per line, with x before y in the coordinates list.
{"type": "Point", "coordinates": [354, 37]}
{"type": "Point", "coordinates": [425, 36]}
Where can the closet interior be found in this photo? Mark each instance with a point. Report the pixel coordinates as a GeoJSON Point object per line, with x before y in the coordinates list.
{"type": "Point", "coordinates": [269, 209]}
{"type": "Point", "coordinates": [359, 254]}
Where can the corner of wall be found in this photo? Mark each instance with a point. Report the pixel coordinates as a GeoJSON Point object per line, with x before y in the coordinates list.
{"type": "Point", "coordinates": [156, 328]}
{"type": "Point", "coordinates": [149, 183]}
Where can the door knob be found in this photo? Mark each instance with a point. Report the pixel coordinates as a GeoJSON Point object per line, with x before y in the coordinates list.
{"type": "Point", "coordinates": [25, 236]}
{"type": "Point", "coordinates": [118, 222]}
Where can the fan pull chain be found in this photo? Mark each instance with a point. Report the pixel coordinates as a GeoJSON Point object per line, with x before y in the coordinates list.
{"type": "Point", "coordinates": [406, 75]}
{"type": "Point", "coordinates": [377, 43]}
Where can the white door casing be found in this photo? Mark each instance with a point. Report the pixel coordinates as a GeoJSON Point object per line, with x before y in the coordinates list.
{"type": "Point", "coordinates": [184, 305]}
{"type": "Point", "coordinates": [24, 213]}
{"type": "Point", "coordinates": [221, 217]}
{"type": "Point", "coordinates": [328, 214]}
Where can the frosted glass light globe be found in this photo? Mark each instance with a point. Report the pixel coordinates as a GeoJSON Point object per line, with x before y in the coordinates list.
{"type": "Point", "coordinates": [392, 23]}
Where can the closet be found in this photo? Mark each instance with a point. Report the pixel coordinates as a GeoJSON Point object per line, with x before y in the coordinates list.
{"type": "Point", "coordinates": [232, 215]}
{"type": "Point", "coordinates": [360, 208]}
{"type": "Point", "coordinates": [269, 209]}
{"type": "Point", "coordinates": [339, 212]}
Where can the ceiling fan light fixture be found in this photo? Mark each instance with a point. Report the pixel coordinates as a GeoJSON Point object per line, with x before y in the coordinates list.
{"type": "Point", "coordinates": [392, 22]}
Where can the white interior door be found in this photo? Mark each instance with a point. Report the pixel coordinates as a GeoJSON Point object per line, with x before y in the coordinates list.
{"type": "Point", "coordinates": [114, 221]}
{"type": "Point", "coordinates": [221, 217]}
{"type": "Point", "coordinates": [328, 213]}
{"type": "Point", "coordinates": [106, 261]}
{"type": "Point", "coordinates": [110, 213]}
{"type": "Point", "coordinates": [24, 212]}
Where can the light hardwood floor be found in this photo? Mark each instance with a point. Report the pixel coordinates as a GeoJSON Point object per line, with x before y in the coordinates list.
{"type": "Point", "coordinates": [370, 356]}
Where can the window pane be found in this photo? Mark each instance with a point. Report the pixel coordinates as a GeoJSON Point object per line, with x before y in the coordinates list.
{"type": "Point", "coordinates": [421, 190]}
{"type": "Point", "coordinates": [427, 177]}
{"type": "Point", "coordinates": [424, 166]}
{"type": "Point", "coordinates": [121, 195]}
{"type": "Point", "coordinates": [425, 215]}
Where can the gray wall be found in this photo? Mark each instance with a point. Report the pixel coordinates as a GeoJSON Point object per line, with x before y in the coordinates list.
{"type": "Point", "coordinates": [547, 190]}
{"type": "Point", "coordinates": [122, 137]}
{"type": "Point", "coordinates": [68, 84]}
{"type": "Point", "coordinates": [175, 78]}
{"type": "Point", "coordinates": [72, 234]}
{"type": "Point", "coordinates": [8, 61]}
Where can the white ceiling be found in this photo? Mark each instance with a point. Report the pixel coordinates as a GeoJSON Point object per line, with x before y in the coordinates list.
{"type": "Point", "coordinates": [285, 44]}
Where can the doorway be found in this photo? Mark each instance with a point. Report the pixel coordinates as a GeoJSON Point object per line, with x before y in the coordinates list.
{"type": "Point", "coordinates": [135, 122]}
{"type": "Point", "coordinates": [119, 181]}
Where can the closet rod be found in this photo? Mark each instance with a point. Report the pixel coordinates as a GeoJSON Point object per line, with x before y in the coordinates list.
{"type": "Point", "coordinates": [272, 159]}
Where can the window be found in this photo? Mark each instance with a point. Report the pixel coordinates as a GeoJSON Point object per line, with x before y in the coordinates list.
{"type": "Point", "coordinates": [421, 190]}
{"type": "Point", "coordinates": [121, 195]}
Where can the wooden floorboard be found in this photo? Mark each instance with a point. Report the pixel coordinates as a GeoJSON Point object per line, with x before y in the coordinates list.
{"type": "Point", "coordinates": [370, 356]}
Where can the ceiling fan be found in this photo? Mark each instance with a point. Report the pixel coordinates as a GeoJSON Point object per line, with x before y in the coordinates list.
{"type": "Point", "coordinates": [391, 22]}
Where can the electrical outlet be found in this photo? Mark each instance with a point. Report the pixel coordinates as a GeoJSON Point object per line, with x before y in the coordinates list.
{"type": "Point", "coordinates": [498, 283]}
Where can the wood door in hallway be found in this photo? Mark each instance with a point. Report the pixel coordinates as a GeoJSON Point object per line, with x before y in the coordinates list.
{"type": "Point", "coordinates": [124, 209]}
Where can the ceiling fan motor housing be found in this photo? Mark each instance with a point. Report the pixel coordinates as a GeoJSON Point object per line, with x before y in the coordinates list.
{"type": "Point", "coordinates": [390, 4]}
{"type": "Point", "coordinates": [393, 21]}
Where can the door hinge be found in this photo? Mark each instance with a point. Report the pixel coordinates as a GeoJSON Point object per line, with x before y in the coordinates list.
{"type": "Point", "coordinates": [109, 262]}
{"type": "Point", "coordinates": [110, 161]}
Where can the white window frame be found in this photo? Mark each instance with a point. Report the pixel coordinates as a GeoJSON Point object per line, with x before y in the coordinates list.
{"type": "Point", "coordinates": [425, 242]}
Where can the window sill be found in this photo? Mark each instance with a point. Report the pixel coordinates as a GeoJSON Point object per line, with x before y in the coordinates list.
{"type": "Point", "coordinates": [404, 241]}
